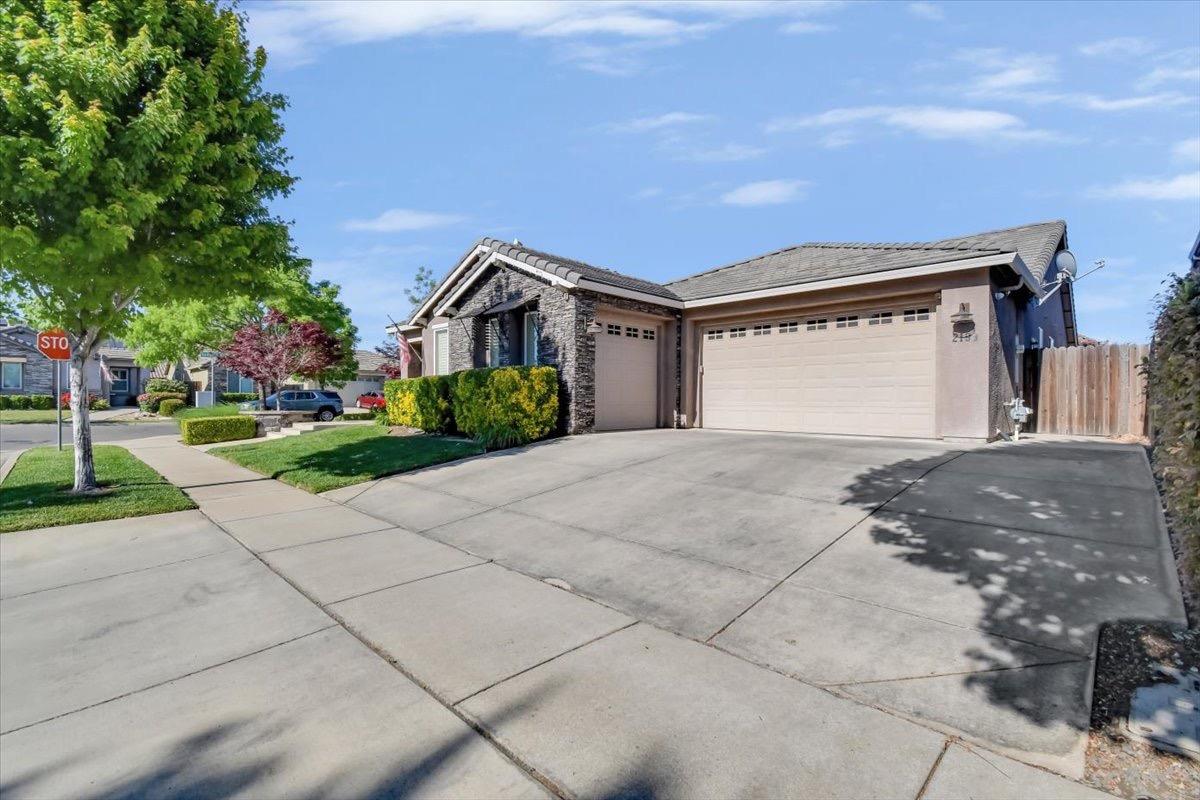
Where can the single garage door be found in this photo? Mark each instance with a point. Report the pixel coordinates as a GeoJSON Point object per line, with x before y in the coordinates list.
{"type": "Point", "coordinates": [626, 375]}
{"type": "Point", "coordinates": [857, 372]}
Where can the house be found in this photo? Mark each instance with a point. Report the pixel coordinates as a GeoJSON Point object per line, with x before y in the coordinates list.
{"type": "Point", "coordinates": [207, 373]}
{"type": "Point", "coordinates": [919, 339]}
{"type": "Point", "coordinates": [25, 370]}
{"type": "Point", "coordinates": [370, 377]}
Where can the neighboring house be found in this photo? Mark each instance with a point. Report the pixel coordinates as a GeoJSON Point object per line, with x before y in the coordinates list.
{"type": "Point", "coordinates": [919, 339]}
{"type": "Point", "coordinates": [24, 370]}
{"type": "Point", "coordinates": [203, 374]}
{"type": "Point", "coordinates": [370, 378]}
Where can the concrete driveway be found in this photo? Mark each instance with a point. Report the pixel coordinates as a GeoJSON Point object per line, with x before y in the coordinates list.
{"type": "Point", "coordinates": [649, 614]}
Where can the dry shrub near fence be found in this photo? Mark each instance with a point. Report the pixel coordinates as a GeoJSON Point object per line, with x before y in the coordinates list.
{"type": "Point", "coordinates": [1097, 390]}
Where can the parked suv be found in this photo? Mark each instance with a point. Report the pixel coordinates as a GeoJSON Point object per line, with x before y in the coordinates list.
{"type": "Point", "coordinates": [326, 403]}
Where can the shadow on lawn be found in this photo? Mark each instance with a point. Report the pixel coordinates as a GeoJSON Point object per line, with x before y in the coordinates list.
{"type": "Point", "coordinates": [1051, 590]}
{"type": "Point", "coordinates": [214, 762]}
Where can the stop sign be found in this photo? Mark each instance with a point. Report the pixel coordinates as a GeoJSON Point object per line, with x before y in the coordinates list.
{"type": "Point", "coordinates": [54, 344]}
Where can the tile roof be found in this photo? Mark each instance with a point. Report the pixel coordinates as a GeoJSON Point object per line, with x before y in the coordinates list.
{"type": "Point", "coordinates": [817, 261]}
{"type": "Point", "coordinates": [572, 270]}
{"type": "Point", "coordinates": [369, 361]}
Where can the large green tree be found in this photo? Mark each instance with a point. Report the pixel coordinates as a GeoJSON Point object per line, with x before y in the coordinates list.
{"type": "Point", "coordinates": [182, 330]}
{"type": "Point", "coordinates": [138, 153]}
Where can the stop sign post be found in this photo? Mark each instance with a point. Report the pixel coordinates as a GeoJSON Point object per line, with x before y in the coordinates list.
{"type": "Point", "coordinates": [55, 345]}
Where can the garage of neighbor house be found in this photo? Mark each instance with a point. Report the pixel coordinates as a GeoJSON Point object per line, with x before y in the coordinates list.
{"type": "Point", "coordinates": [922, 339]}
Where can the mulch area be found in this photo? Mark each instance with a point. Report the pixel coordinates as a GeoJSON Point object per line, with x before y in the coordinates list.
{"type": "Point", "coordinates": [1130, 653]}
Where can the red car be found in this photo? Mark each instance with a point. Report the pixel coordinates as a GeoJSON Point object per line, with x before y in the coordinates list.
{"type": "Point", "coordinates": [371, 400]}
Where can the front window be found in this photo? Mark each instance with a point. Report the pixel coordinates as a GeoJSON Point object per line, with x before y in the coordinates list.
{"type": "Point", "coordinates": [12, 375]}
{"type": "Point", "coordinates": [240, 383]}
{"type": "Point", "coordinates": [120, 380]}
{"type": "Point", "coordinates": [531, 338]}
{"type": "Point", "coordinates": [441, 351]}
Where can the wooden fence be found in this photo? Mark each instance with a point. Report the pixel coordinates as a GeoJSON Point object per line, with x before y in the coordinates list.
{"type": "Point", "coordinates": [1098, 390]}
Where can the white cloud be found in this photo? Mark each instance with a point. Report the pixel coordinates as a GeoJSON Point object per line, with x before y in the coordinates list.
{"type": "Point", "coordinates": [671, 119]}
{"type": "Point", "coordinates": [402, 219]}
{"type": "Point", "coordinates": [930, 11]}
{"type": "Point", "coordinates": [1117, 46]}
{"type": "Point", "coordinates": [648, 192]}
{"type": "Point", "coordinates": [804, 26]}
{"type": "Point", "coordinates": [1188, 150]}
{"type": "Point", "coordinates": [1179, 187]}
{"type": "Point", "coordinates": [726, 153]}
{"type": "Point", "coordinates": [765, 193]}
{"type": "Point", "coordinates": [932, 122]}
{"type": "Point", "coordinates": [296, 31]}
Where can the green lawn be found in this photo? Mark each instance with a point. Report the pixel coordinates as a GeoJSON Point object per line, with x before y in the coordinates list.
{"type": "Point", "coordinates": [36, 493]}
{"type": "Point", "coordinates": [331, 459]}
{"type": "Point", "coordinates": [219, 410]}
{"type": "Point", "coordinates": [15, 415]}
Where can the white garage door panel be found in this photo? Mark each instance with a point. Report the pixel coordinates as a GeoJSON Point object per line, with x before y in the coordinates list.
{"type": "Point", "coordinates": [626, 375]}
{"type": "Point", "coordinates": [870, 379]}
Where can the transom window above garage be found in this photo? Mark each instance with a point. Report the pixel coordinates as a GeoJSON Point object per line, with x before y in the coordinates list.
{"type": "Point", "coordinates": [916, 314]}
{"type": "Point", "coordinates": [614, 330]}
{"type": "Point", "coordinates": [762, 330]}
{"type": "Point", "coordinates": [789, 327]}
{"type": "Point", "coordinates": [717, 334]}
{"type": "Point", "coordinates": [848, 322]}
{"type": "Point", "coordinates": [648, 333]}
{"type": "Point", "coordinates": [737, 333]}
{"type": "Point", "coordinates": [880, 318]}
{"type": "Point", "coordinates": [817, 324]}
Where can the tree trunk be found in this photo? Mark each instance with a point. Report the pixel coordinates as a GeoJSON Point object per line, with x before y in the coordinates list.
{"type": "Point", "coordinates": [81, 427]}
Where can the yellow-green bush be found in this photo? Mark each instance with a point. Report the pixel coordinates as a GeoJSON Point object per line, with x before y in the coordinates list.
{"type": "Point", "coordinates": [202, 430]}
{"type": "Point", "coordinates": [168, 407]}
{"type": "Point", "coordinates": [505, 406]}
{"type": "Point", "coordinates": [420, 403]}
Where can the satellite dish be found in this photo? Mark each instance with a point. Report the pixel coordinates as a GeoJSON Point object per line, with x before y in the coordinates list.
{"type": "Point", "coordinates": [1066, 266]}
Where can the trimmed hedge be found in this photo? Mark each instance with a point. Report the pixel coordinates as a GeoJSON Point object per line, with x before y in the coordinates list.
{"type": "Point", "coordinates": [203, 430]}
{"type": "Point", "coordinates": [1173, 384]}
{"type": "Point", "coordinates": [420, 403]}
{"type": "Point", "coordinates": [149, 401]}
{"type": "Point", "coordinates": [166, 385]}
{"type": "Point", "coordinates": [505, 406]}
{"type": "Point", "coordinates": [238, 397]}
{"type": "Point", "coordinates": [23, 402]}
{"type": "Point", "coordinates": [498, 406]}
{"type": "Point", "coordinates": [168, 407]}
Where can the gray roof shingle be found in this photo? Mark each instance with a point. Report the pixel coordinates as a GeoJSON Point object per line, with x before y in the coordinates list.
{"type": "Point", "coordinates": [817, 261]}
{"type": "Point", "coordinates": [573, 270]}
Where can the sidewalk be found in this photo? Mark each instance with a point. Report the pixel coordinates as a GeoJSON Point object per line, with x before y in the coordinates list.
{"type": "Point", "coordinates": [562, 692]}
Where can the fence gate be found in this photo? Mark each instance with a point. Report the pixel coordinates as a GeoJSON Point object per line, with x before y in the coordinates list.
{"type": "Point", "coordinates": [1097, 390]}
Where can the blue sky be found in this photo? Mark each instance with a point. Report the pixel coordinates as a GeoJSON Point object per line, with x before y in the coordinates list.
{"type": "Point", "coordinates": [660, 139]}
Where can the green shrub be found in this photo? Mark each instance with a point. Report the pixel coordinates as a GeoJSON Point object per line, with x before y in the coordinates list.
{"type": "Point", "coordinates": [18, 402]}
{"type": "Point", "coordinates": [1173, 384]}
{"type": "Point", "coordinates": [99, 404]}
{"type": "Point", "coordinates": [149, 401]}
{"type": "Point", "coordinates": [203, 430]}
{"type": "Point", "coordinates": [238, 397]}
{"type": "Point", "coordinates": [41, 402]}
{"type": "Point", "coordinates": [166, 385]}
{"type": "Point", "coordinates": [420, 403]}
{"type": "Point", "coordinates": [168, 407]}
{"type": "Point", "coordinates": [506, 406]}
{"type": "Point", "coordinates": [5, 402]}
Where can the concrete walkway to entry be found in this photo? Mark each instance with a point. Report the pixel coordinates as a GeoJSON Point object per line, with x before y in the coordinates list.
{"type": "Point", "coordinates": [398, 638]}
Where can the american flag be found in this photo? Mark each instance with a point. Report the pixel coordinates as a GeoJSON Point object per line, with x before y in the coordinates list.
{"type": "Point", "coordinates": [407, 354]}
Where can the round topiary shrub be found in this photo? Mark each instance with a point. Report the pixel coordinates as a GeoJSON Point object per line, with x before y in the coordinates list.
{"type": "Point", "coordinates": [168, 407]}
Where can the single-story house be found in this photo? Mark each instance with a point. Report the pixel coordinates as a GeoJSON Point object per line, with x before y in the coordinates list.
{"type": "Point", "coordinates": [918, 339]}
{"type": "Point", "coordinates": [24, 370]}
{"type": "Point", "coordinates": [370, 378]}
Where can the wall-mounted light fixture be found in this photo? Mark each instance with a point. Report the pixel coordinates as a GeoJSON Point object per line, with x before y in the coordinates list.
{"type": "Point", "coordinates": [963, 314]}
{"type": "Point", "coordinates": [594, 327]}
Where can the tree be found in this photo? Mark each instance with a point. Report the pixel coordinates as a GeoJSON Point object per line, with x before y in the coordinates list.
{"type": "Point", "coordinates": [422, 286]}
{"type": "Point", "coordinates": [182, 330]}
{"type": "Point", "coordinates": [390, 350]}
{"type": "Point", "coordinates": [275, 349]}
{"type": "Point", "coordinates": [138, 153]}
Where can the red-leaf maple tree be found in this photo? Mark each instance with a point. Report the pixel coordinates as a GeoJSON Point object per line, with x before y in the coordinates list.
{"type": "Point", "coordinates": [276, 348]}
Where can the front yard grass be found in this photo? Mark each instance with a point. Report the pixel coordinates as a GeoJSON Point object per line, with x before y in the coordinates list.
{"type": "Point", "coordinates": [13, 416]}
{"type": "Point", "coordinates": [219, 410]}
{"type": "Point", "coordinates": [36, 493]}
{"type": "Point", "coordinates": [332, 459]}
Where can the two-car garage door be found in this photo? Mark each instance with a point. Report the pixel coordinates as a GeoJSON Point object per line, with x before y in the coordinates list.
{"type": "Point", "coordinates": [858, 372]}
